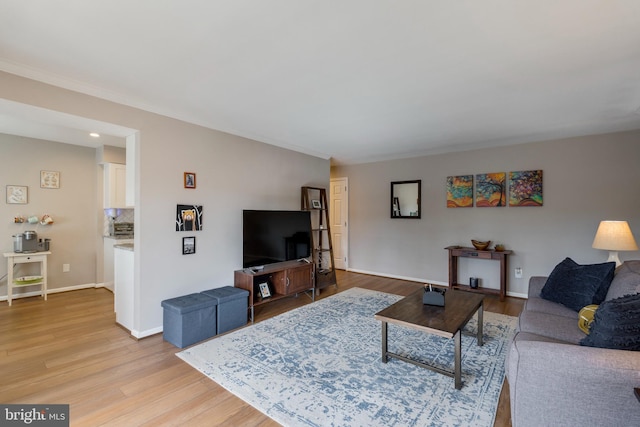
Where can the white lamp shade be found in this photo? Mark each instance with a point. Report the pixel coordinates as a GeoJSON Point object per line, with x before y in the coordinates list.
{"type": "Point", "coordinates": [614, 236]}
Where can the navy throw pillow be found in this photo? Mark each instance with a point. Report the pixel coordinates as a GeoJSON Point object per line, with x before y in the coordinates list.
{"type": "Point", "coordinates": [576, 286]}
{"type": "Point", "coordinates": [616, 325]}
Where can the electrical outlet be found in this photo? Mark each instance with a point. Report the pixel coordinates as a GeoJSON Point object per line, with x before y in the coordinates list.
{"type": "Point", "coordinates": [518, 272]}
{"type": "Point", "coordinates": [66, 268]}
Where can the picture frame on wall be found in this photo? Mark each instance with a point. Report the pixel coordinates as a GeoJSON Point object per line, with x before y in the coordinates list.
{"type": "Point", "coordinates": [189, 180]}
{"type": "Point", "coordinates": [50, 179]}
{"type": "Point", "coordinates": [189, 217]}
{"type": "Point", "coordinates": [188, 245]}
{"type": "Point", "coordinates": [525, 188]}
{"type": "Point", "coordinates": [460, 191]}
{"type": "Point", "coordinates": [17, 194]}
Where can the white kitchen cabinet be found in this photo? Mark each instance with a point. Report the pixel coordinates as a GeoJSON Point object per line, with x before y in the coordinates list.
{"type": "Point", "coordinates": [123, 284]}
{"type": "Point", "coordinates": [115, 186]}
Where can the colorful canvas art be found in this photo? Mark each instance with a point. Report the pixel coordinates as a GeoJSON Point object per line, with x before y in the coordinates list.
{"type": "Point", "coordinates": [491, 189]}
{"type": "Point", "coordinates": [460, 191]}
{"type": "Point", "coordinates": [525, 188]}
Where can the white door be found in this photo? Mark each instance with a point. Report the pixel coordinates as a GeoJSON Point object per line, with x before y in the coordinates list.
{"type": "Point", "coordinates": [338, 215]}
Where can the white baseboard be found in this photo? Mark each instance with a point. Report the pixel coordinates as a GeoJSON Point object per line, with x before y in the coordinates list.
{"type": "Point", "coordinates": [50, 291]}
{"type": "Point", "coordinates": [107, 285]}
{"type": "Point", "coordinates": [147, 333]}
{"type": "Point", "coordinates": [420, 280]}
{"type": "Point", "coordinates": [395, 276]}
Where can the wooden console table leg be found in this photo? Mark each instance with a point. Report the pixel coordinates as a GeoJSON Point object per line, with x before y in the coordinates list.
{"type": "Point", "coordinates": [503, 277]}
{"type": "Point", "coordinates": [453, 270]}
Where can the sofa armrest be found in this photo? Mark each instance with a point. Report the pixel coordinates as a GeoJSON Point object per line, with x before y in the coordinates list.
{"type": "Point", "coordinates": [536, 283]}
{"type": "Point", "coordinates": [564, 384]}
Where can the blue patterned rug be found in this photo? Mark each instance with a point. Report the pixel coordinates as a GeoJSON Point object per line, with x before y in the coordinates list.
{"type": "Point", "coordinates": [319, 365]}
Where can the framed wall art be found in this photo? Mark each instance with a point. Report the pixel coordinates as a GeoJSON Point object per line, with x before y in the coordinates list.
{"type": "Point", "coordinates": [17, 194]}
{"type": "Point", "coordinates": [188, 245]}
{"type": "Point", "coordinates": [189, 180]}
{"type": "Point", "coordinates": [189, 217]}
{"type": "Point", "coordinates": [525, 188]}
{"type": "Point", "coordinates": [49, 179]}
{"type": "Point", "coordinates": [491, 190]}
{"type": "Point", "coordinates": [460, 191]}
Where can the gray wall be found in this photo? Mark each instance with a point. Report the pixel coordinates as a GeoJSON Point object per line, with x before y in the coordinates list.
{"type": "Point", "coordinates": [73, 206]}
{"type": "Point", "coordinates": [586, 180]}
{"type": "Point", "coordinates": [233, 173]}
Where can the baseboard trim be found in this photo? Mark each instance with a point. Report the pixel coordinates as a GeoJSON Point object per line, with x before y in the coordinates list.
{"type": "Point", "coordinates": [420, 280]}
{"type": "Point", "coordinates": [395, 276]}
{"type": "Point", "coordinates": [50, 291]}
{"type": "Point", "coordinates": [147, 333]}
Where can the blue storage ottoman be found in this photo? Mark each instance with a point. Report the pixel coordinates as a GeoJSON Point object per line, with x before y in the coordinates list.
{"type": "Point", "coordinates": [189, 319]}
{"type": "Point", "coordinates": [232, 307]}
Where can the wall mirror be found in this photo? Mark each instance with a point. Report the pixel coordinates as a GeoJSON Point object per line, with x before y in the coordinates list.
{"type": "Point", "coordinates": [405, 199]}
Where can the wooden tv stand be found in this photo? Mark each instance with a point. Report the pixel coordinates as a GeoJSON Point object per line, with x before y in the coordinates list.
{"type": "Point", "coordinates": [285, 279]}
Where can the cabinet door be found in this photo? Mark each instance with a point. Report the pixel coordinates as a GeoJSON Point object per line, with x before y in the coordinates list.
{"type": "Point", "coordinates": [278, 280]}
{"type": "Point", "coordinates": [299, 279]}
{"type": "Point", "coordinates": [115, 180]}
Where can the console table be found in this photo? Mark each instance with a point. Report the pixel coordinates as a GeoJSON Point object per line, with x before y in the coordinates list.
{"type": "Point", "coordinates": [456, 252]}
{"type": "Point", "coordinates": [14, 258]}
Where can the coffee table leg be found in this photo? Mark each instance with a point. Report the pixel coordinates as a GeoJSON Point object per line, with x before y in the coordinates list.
{"type": "Point", "coordinates": [458, 360]}
{"type": "Point", "coordinates": [384, 342]}
{"type": "Point", "coordinates": [480, 311]}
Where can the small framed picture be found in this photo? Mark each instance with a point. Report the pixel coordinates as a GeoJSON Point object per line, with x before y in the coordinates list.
{"type": "Point", "coordinates": [188, 245]}
{"type": "Point", "coordinates": [264, 290]}
{"type": "Point", "coordinates": [17, 194]}
{"type": "Point", "coordinates": [189, 180]}
{"type": "Point", "coordinates": [315, 204]}
{"type": "Point", "coordinates": [49, 179]}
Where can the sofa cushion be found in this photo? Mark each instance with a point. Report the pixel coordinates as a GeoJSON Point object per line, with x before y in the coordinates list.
{"type": "Point", "coordinates": [545, 306]}
{"type": "Point", "coordinates": [574, 285]}
{"type": "Point", "coordinates": [559, 328]}
{"type": "Point", "coordinates": [626, 280]}
{"type": "Point", "coordinates": [616, 324]}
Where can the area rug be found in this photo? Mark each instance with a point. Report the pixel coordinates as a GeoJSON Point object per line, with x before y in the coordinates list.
{"type": "Point", "coordinates": [320, 365]}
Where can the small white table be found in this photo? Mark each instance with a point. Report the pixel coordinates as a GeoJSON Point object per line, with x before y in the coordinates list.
{"type": "Point", "coordinates": [14, 258]}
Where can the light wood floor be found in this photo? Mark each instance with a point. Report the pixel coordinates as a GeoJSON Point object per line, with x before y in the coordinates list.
{"type": "Point", "coordinates": [68, 350]}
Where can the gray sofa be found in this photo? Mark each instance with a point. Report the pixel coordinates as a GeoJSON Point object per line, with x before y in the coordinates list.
{"type": "Point", "coordinates": [555, 381]}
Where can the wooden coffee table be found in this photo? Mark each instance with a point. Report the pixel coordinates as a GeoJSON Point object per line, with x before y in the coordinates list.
{"type": "Point", "coordinates": [447, 321]}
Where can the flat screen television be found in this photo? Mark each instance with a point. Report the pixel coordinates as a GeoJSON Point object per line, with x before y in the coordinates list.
{"type": "Point", "coordinates": [274, 236]}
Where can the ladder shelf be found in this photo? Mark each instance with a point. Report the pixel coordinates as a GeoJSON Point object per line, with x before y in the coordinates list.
{"type": "Point", "coordinates": [314, 200]}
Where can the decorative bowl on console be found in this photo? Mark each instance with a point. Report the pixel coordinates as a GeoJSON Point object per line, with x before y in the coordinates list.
{"type": "Point", "coordinates": [480, 245]}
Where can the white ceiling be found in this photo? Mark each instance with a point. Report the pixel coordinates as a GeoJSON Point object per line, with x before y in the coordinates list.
{"type": "Point", "coordinates": [352, 80]}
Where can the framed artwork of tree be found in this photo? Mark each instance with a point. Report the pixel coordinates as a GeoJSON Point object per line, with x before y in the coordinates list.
{"type": "Point", "coordinates": [491, 190]}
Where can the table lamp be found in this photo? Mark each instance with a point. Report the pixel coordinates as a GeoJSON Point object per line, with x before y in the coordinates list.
{"type": "Point", "coordinates": [614, 236]}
